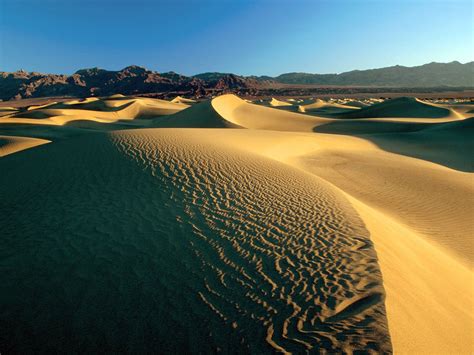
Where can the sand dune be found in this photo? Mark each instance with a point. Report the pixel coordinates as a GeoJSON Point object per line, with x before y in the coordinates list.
{"type": "Point", "coordinates": [356, 103]}
{"type": "Point", "coordinates": [276, 103]}
{"type": "Point", "coordinates": [234, 227]}
{"type": "Point", "coordinates": [35, 107]}
{"type": "Point", "coordinates": [201, 115]}
{"type": "Point", "coordinates": [410, 190]}
{"type": "Point", "coordinates": [211, 250]}
{"type": "Point", "coordinates": [7, 111]}
{"type": "Point", "coordinates": [443, 143]}
{"type": "Point", "coordinates": [121, 107]}
{"type": "Point", "coordinates": [402, 107]}
{"type": "Point", "coordinates": [183, 100]}
{"type": "Point", "coordinates": [323, 106]}
{"type": "Point", "coordinates": [107, 110]}
{"type": "Point", "coordinates": [13, 144]}
{"type": "Point", "coordinates": [231, 111]}
{"type": "Point", "coordinates": [398, 198]}
{"type": "Point", "coordinates": [429, 292]}
{"type": "Point", "coordinates": [4, 111]}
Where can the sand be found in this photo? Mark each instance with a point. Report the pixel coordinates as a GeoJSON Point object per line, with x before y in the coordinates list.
{"type": "Point", "coordinates": [228, 226]}
{"type": "Point", "coordinates": [275, 102]}
{"type": "Point", "coordinates": [231, 112]}
{"type": "Point", "coordinates": [320, 106]}
{"type": "Point", "coordinates": [409, 107]}
{"type": "Point", "coordinates": [183, 100]}
{"type": "Point", "coordinates": [13, 144]}
{"type": "Point", "coordinates": [108, 110]}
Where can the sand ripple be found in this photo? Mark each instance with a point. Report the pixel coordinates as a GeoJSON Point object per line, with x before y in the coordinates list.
{"type": "Point", "coordinates": [168, 241]}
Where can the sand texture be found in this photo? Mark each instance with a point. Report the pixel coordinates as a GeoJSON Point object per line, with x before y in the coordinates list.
{"type": "Point", "coordinates": [140, 225]}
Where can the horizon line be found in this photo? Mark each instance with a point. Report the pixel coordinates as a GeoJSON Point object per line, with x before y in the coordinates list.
{"type": "Point", "coordinates": [233, 73]}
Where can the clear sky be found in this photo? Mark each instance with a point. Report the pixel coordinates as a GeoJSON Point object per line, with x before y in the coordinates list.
{"type": "Point", "coordinates": [240, 36]}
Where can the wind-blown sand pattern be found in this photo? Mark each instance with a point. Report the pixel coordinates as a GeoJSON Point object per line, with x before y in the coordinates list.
{"type": "Point", "coordinates": [234, 227]}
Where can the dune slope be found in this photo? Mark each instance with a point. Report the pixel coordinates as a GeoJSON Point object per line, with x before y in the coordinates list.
{"type": "Point", "coordinates": [232, 112]}
{"type": "Point", "coordinates": [325, 107]}
{"type": "Point", "coordinates": [419, 218]}
{"type": "Point", "coordinates": [13, 144]}
{"type": "Point", "coordinates": [105, 110]}
{"type": "Point", "coordinates": [260, 117]}
{"type": "Point", "coordinates": [277, 103]}
{"type": "Point", "coordinates": [269, 238]}
{"type": "Point", "coordinates": [442, 143]}
{"type": "Point", "coordinates": [419, 215]}
{"type": "Point", "coordinates": [183, 100]}
{"type": "Point", "coordinates": [151, 247]}
{"type": "Point", "coordinates": [401, 107]}
{"type": "Point", "coordinates": [201, 115]}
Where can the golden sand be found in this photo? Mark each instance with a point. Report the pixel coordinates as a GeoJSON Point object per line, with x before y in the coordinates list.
{"type": "Point", "coordinates": [267, 229]}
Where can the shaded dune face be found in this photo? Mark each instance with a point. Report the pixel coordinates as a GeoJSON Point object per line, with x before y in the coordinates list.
{"type": "Point", "coordinates": [174, 244]}
{"type": "Point", "coordinates": [400, 107]}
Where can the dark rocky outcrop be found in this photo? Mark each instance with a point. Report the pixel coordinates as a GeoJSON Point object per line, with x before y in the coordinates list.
{"type": "Point", "coordinates": [131, 80]}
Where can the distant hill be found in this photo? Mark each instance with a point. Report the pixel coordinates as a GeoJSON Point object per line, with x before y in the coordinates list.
{"type": "Point", "coordinates": [135, 80]}
{"type": "Point", "coordinates": [428, 75]}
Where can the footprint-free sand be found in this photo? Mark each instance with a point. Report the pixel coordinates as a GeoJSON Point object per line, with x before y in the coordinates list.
{"type": "Point", "coordinates": [140, 225]}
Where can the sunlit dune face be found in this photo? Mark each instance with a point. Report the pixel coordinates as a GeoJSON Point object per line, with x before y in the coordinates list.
{"type": "Point", "coordinates": [335, 225]}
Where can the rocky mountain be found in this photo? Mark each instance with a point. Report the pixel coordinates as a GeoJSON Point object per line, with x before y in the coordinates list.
{"type": "Point", "coordinates": [99, 82]}
{"type": "Point", "coordinates": [135, 80]}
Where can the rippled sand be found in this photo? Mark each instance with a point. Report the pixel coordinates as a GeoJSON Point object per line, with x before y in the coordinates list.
{"type": "Point", "coordinates": [233, 227]}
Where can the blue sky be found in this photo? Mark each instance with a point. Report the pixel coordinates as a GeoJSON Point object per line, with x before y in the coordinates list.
{"type": "Point", "coordinates": [240, 36]}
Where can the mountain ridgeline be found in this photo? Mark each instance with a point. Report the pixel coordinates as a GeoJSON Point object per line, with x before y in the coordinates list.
{"type": "Point", "coordinates": [428, 75]}
{"type": "Point", "coordinates": [136, 80]}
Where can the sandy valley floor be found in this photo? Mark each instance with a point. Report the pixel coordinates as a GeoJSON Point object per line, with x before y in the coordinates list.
{"type": "Point", "coordinates": [140, 225]}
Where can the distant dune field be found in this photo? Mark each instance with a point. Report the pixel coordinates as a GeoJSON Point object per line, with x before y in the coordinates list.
{"type": "Point", "coordinates": [323, 226]}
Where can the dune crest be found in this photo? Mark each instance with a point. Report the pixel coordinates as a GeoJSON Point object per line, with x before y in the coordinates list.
{"type": "Point", "coordinates": [14, 144]}
{"type": "Point", "coordinates": [229, 111]}
{"type": "Point", "coordinates": [407, 107]}
{"type": "Point", "coordinates": [107, 110]}
{"type": "Point", "coordinates": [183, 100]}
{"type": "Point", "coordinates": [276, 103]}
{"type": "Point", "coordinates": [227, 226]}
{"type": "Point", "coordinates": [320, 105]}
{"type": "Point", "coordinates": [255, 281]}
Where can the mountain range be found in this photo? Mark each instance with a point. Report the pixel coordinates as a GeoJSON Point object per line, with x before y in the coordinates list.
{"type": "Point", "coordinates": [135, 80]}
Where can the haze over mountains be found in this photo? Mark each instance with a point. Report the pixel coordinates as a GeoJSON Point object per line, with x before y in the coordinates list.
{"type": "Point", "coordinates": [138, 80]}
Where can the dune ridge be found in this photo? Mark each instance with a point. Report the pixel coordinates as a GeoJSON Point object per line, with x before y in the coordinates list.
{"type": "Point", "coordinates": [183, 100]}
{"type": "Point", "coordinates": [13, 144]}
{"type": "Point", "coordinates": [416, 256]}
{"type": "Point", "coordinates": [265, 285]}
{"type": "Point", "coordinates": [275, 102]}
{"type": "Point", "coordinates": [108, 110]}
{"type": "Point", "coordinates": [230, 226]}
{"type": "Point", "coordinates": [320, 105]}
{"type": "Point", "coordinates": [407, 107]}
{"type": "Point", "coordinates": [232, 112]}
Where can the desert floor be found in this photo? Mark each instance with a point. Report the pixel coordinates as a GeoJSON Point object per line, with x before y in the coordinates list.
{"type": "Point", "coordinates": [280, 225]}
